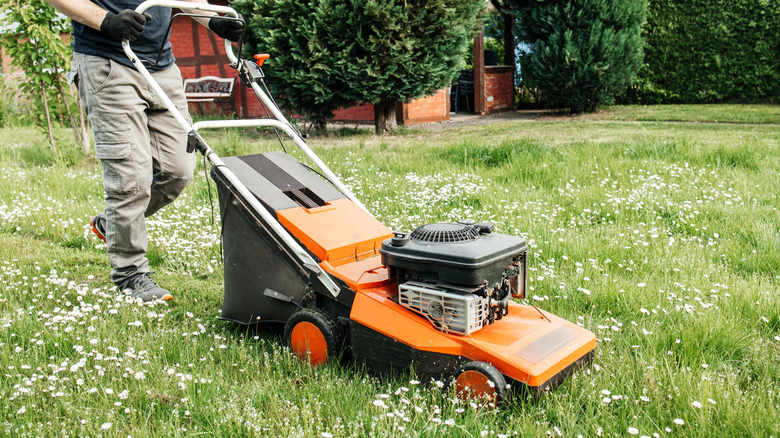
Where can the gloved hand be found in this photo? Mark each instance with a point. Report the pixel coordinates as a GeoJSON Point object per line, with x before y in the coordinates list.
{"type": "Point", "coordinates": [126, 25]}
{"type": "Point", "coordinates": [226, 28]}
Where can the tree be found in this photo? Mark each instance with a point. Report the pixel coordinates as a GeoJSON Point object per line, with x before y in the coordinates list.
{"type": "Point", "coordinates": [32, 38]}
{"type": "Point", "coordinates": [583, 52]}
{"type": "Point", "coordinates": [328, 54]}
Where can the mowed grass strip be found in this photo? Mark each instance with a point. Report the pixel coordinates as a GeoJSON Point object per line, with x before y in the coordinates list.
{"type": "Point", "coordinates": [661, 237]}
{"type": "Point", "coordinates": [715, 113]}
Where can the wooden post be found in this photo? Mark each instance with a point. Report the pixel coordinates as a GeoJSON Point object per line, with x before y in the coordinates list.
{"type": "Point", "coordinates": [509, 39]}
{"type": "Point", "coordinates": [480, 103]}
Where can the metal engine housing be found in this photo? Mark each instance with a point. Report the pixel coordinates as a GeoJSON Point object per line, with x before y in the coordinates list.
{"type": "Point", "coordinates": [449, 311]}
{"type": "Point", "coordinates": [460, 276]}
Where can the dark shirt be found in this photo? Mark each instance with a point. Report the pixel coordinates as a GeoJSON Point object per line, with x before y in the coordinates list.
{"type": "Point", "coordinates": [92, 42]}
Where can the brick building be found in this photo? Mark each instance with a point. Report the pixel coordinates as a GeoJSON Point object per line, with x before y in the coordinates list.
{"type": "Point", "coordinates": [200, 53]}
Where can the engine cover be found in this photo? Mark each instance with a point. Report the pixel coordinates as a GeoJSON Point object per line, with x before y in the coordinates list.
{"type": "Point", "coordinates": [463, 254]}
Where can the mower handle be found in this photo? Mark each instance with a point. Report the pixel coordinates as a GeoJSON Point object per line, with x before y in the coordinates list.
{"type": "Point", "coordinates": [180, 119]}
{"type": "Point", "coordinates": [226, 10]}
{"type": "Point", "coordinates": [303, 256]}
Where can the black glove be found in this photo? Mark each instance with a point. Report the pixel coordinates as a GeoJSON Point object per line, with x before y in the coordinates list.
{"type": "Point", "coordinates": [126, 25]}
{"type": "Point", "coordinates": [226, 28]}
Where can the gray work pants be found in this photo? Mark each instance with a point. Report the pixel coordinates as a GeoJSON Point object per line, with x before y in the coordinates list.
{"type": "Point", "coordinates": [142, 149]}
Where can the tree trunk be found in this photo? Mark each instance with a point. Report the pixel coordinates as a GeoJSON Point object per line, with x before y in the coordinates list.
{"type": "Point", "coordinates": [77, 133]}
{"type": "Point", "coordinates": [384, 117]}
{"type": "Point", "coordinates": [319, 127]}
{"type": "Point", "coordinates": [83, 125]}
{"type": "Point", "coordinates": [48, 116]}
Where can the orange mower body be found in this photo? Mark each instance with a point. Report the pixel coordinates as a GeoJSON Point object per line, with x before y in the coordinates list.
{"type": "Point", "coordinates": [506, 345]}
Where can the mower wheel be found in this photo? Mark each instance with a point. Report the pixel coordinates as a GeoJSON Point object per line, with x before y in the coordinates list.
{"type": "Point", "coordinates": [314, 336]}
{"type": "Point", "coordinates": [481, 382]}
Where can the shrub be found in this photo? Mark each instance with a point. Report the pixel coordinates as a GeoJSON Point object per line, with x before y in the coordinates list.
{"type": "Point", "coordinates": [583, 52]}
{"type": "Point", "coordinates": [325, 55]}
{"type": "Point", "coordinates": [10, 111]}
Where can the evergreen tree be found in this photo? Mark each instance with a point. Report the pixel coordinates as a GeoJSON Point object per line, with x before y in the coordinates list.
{"type": "Point", "coordinates": [329, 54]}
{"type": "Point", "coordinates": [583, 52]}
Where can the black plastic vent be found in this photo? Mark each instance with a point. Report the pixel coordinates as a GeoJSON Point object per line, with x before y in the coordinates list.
{"type": "Point", "coordinates": [294, 189]}
{"type": "Point", "coordinates": [445, 232]}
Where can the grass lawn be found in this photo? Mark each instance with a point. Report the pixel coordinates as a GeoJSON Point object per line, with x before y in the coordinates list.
{"type": "Point", "coordinates": [757, 114]}
{"type": "Point", "coordinates": [660, 235]}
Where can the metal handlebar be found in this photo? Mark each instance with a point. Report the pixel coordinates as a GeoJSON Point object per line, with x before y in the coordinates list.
{"type": "Point", "coordinates": [180, 119]}
{"type": "Point", "coordinates": [226, 10]}
{"type": "Point", "coordinates": [303, 256]}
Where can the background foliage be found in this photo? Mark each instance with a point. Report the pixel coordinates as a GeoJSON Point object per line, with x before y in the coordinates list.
{"type": "Point", "coordinates": [11, 105]}
{"type": "Point", "coordinates": [701, 51]}
{"type": "Point", "coordinates": [32, 36]}
{"type": "Point", "coordinates": [325, 55]}
{"type": "Point", "coordinates": [584, 52]}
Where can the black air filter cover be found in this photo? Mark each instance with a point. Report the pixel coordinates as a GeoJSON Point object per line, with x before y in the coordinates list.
{"type": "Point", "coordinates": [467, 262]}
{"type": "Point", "coordinates": [444, 232]}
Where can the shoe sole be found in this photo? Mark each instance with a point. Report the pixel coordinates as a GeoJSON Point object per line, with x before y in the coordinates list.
{"type": "Point", "coordinates": [98, 233]}
{"type": "Point", "coordinates": [166, 297]}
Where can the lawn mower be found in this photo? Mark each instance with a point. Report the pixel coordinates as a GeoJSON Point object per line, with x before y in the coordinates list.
{"type": "Point", "coordinates": [302, 250]}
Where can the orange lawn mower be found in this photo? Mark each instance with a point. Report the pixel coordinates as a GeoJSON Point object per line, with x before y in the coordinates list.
{"type": "Point", "coordinates": [301, 249]}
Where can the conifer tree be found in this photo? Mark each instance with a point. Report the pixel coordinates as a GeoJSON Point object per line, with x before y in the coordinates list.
{"type": "Point", "coordinates": [329, 54]}
{"type": "Point", "coordinates": [583, 52]}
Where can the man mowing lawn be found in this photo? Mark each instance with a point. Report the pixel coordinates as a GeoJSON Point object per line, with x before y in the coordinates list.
{"type": "Point", "coordinates": [141, 147]}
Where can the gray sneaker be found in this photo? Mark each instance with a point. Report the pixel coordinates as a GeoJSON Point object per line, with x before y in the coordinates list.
{"type": "Point", "coordinates": [141, 286]}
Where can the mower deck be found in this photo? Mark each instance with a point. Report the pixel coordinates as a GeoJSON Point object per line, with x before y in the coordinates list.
{"type": "Point", "coordinates": [528, 345]}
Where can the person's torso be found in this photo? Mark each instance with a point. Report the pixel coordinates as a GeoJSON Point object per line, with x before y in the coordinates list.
{"type": "Point", "coordinates": [146, 47]}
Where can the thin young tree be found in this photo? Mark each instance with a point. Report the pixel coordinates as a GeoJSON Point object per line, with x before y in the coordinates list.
{"type": "Point", "coordinates": [32, 37]}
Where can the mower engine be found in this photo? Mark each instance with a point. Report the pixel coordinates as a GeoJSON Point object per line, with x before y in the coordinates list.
{"type": "Point", "coordinates": [459, 276]}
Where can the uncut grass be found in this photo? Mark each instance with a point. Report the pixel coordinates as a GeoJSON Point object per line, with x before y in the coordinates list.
{"type": "Point", "coordinates": [719, 113]}
{"type": "Point", "coordinates": [638, 232]}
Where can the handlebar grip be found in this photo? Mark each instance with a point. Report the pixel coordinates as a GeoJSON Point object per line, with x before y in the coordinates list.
{"type": "Point", "coordinates": [225, 10]}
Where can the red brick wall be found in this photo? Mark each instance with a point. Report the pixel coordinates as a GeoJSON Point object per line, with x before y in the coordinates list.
{"type": "Point", "coordinates": [499, 88]}
{"type": "Point", "coordinates": [428, 109]}
{"type": "Point", "coordinates": [6, 62]}
{"type": "Point", "coordinates": [200, 53]}
{"type": "Point", "coordinates": [434, 108]}
{"type": "Point", "coordinates": [357, 113]}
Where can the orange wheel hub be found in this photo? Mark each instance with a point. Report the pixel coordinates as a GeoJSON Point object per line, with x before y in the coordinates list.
{"type": "Point", "coordinates": [308, 343]}
{"type": "Point", "coordinates": [473, 384]}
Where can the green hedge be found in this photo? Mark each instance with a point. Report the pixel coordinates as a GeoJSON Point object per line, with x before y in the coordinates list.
{"type": "Point", "coordinates": [702, 51]}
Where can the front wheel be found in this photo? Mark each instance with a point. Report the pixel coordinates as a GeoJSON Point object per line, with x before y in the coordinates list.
{"type": "Point", "coordinates": [480, 381]}
{"type": "Point", "coordinates": [314, 336]}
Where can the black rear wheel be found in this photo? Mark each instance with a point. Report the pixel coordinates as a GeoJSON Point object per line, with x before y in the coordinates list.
{"type": "Point", "coordinates": [314, 336]}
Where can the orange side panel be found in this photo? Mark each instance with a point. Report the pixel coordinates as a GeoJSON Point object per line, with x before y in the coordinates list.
{"type": "Point", "coordinates": [339, 232]}
{"type": "Point", "coordinates": [374, 309]}
{"type": "Point", "coordinates": [363, 274]}
{"type": "Point", "coordinates": [528, 344]}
